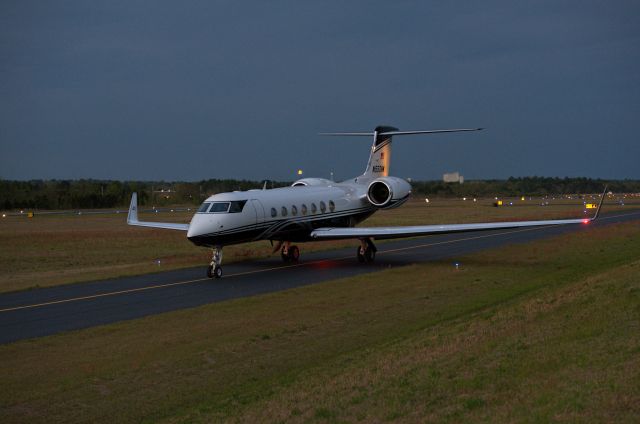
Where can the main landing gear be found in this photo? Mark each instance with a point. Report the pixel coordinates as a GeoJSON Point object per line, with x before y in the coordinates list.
{"type": "Point", "coordinates": [214, 270]}
{"type": "Point", "coordinates": [289, 253]}
{"type": "Point", "coordinates": [366, 251]}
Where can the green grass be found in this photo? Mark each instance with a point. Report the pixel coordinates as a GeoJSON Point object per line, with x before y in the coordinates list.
{"type": "Point", "coordinates": [539, 332]}
{"type": "Point", "coordinates": [49, 250]}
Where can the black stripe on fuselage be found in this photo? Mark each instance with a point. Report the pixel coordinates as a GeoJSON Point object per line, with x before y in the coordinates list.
{"type": "Point", "coordinates": [296, 230]}
{"type": "Point", "coordinates": [321, 217]}
{"type": "Point", "coordinates": [272, 225]}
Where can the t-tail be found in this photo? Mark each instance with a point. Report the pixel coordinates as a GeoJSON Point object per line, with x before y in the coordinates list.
{"type": "Point", "coordinates": [380, 156]}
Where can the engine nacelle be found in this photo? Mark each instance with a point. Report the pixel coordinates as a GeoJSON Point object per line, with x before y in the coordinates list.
{"type": "Point", "coordinates": [312, 182]}
{"type": "Point", "coordinates": [388, 192]}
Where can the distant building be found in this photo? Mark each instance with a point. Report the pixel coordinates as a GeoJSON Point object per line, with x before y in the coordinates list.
{"type": "Point", "coordinates": [453, 177]}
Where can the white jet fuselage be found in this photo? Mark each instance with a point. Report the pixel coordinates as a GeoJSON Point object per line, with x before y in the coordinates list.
{"type": "Point", "coordinates": [287, 213]}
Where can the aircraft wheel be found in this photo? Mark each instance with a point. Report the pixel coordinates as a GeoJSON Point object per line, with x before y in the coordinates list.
{"type": "Point", "coordinates": [369, 254]}
{"type": "Point", "coordinates": [214, 270]}
{"type": "Point", "coordinates": [360, 256]}
{"type": "Point", "coordinates": [217, 271]}
{"type": "Point", "coordinates": [294, 253]}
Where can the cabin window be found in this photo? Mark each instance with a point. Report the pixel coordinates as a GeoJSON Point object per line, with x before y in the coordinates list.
{"type": "Point", "coordinates": [284, 211]}
{"type": "Point", "coordinates": [303, 209]}
{"type": "Point", "coordinates": [237, 206]}
{"type": "Point", "coordinates": [274, 212]}
{"type": "Point", "coordinates": [294, 210]}
{"type": "Point", "coordinates": [219, 207]}
{"type": "Point", "coordinates": [314, 209]}
{"type": "Point", "coordinates": [332, 206]}
{"type": "Point", "coordinates": [204, 207]}
{"type": "Point", "coordinates": [323, 207]}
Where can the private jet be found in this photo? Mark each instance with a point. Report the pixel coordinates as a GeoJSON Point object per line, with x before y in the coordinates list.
{"type": "Point", "coordinates": [319, 209]}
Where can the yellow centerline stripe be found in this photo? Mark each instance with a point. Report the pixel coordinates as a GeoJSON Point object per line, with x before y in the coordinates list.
{"type": "Point", "coordinates": [159, 286]}
{"type": "Point", "coordinates": [94, 296]}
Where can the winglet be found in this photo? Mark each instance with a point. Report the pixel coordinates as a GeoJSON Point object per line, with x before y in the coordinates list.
{"type": "Point", "coordinates": [604, 193]}
{"type": "Point", "coordinates": [132, 218]}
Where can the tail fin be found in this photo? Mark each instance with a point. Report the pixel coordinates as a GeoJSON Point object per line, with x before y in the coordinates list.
{"type": "Point", "coordinates": [380, 157]}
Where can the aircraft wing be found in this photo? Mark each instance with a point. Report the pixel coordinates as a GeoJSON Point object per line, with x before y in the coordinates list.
{"type": "Point", "coordinates": [381, 233]}
{"type": "Point", "coordinates": [132, 218]}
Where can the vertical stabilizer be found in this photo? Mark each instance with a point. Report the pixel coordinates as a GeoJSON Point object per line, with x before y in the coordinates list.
{"type": "Point", "coordinates": [380, 157]}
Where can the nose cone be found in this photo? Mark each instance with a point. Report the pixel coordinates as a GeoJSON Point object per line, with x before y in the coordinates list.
{"type": "Point", "coordinates": [196, 227]}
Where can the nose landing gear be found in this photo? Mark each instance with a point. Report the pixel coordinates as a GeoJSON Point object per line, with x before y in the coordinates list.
{"type": "Point", "coordinates": [366, 251]}
{"type": "Point", "coordinates": [214, 270]}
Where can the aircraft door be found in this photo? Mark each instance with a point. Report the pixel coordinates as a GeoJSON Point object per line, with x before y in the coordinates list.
{"type": "Point", "coordinates": [257, 206]}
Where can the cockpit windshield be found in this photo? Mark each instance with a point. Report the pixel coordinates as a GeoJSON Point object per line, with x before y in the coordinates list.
{"type": "Point", "coordinates": [219, 207]}
{"type": "Point", "coordinates": [223, 207]}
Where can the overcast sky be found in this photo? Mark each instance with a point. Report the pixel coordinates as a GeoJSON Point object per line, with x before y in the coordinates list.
{"type": "Point", "coordinates": [230, 89]}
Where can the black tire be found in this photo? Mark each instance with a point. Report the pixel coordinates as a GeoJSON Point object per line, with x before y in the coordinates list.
{"type": "Point", "coordinates": [360, 256]}
{"type": "Point", "coordinates": [217, 272]}
{"type": "Point", "coordinates": [294, 253]}
{"type": "Point", "coordinates": [369, 254]}
{"type": "Point", "coordinates": [210, 271]}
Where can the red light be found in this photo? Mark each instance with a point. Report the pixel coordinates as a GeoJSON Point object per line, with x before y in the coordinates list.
{"type": "Point", "coordinates": [585, 221]}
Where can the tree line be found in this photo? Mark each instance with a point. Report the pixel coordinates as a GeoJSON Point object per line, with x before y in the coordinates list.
{"type": "Point", "coordinates": [523, 186]}
{"type": "Point", "coordinates": [93, 194]}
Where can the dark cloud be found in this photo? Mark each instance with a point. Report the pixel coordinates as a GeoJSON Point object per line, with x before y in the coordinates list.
{"type": "Point", "coordinates": [166, 90]}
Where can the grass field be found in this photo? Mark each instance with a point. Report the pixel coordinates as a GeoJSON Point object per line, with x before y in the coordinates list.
{"type": "Point", "coordinates": [547, 331]}
{"type": "Point", "coordinates": [57, 249]}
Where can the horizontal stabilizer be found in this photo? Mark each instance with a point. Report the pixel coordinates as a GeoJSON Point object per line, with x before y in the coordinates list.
{"type": "Point", "coordinates": [392, 133]}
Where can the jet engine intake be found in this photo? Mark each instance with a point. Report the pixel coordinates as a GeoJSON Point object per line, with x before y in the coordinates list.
{"type": "Point", "coordinates": [388, 192]}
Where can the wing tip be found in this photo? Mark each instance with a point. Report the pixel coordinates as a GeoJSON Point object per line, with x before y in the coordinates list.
{"type": "Point", "coordinates": [604, 194]}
